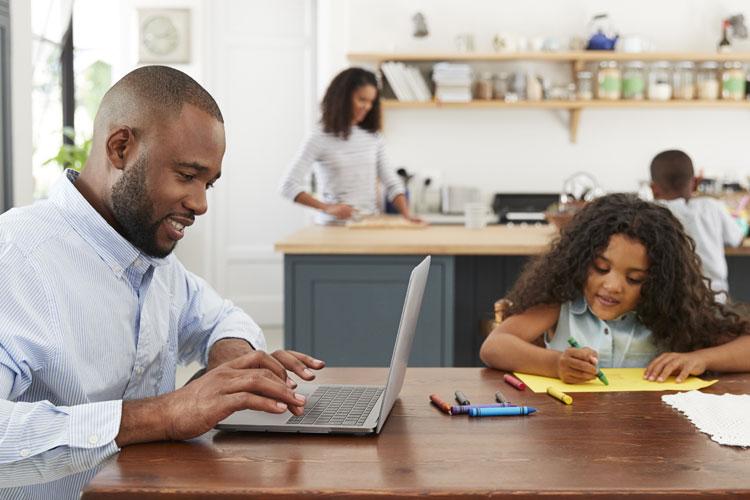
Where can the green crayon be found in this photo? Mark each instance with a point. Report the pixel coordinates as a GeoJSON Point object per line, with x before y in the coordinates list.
{"type": "Point", "coordinates": [600, 374]}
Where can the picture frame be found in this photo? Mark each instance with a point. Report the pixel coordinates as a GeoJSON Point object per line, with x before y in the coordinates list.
{"type": "Point", "coordinates": [163, 35]}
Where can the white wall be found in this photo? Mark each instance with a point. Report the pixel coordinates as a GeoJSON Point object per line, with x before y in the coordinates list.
{"type": "Point", "coordinates": [522, 150]}
{"type": "Point", "coordinates": [20, 46]}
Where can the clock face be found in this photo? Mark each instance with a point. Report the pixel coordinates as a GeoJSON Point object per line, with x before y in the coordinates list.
{"type": "Point", "coordinates": [160, 35]}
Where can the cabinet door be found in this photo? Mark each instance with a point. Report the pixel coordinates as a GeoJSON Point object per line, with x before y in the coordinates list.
{"type": "Point", "coordinates": [346, 309]}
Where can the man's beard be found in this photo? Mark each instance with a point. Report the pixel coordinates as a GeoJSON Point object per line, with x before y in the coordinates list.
{"type": "Point", "coordinates": [133, 210]}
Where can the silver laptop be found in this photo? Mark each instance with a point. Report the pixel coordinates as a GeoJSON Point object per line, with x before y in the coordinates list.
{"type": "Point", "coordinates": [349, 409]}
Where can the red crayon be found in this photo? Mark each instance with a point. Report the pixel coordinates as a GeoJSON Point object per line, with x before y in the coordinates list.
{"type": "Point", "coordinates": [444, 407]}
{"type": "Point", "coordinates": [514, 381]}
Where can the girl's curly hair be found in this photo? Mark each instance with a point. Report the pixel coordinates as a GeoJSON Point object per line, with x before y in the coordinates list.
{"type": "Point", "coordinates": [676, 302]}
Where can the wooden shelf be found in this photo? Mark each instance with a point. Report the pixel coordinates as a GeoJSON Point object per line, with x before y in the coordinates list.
{"type": "Point", "coordinates": [591, 55]}
{"type": "Point", "coordinates": [394, 104]}
{"type": "Point", "coordinates": [577, 60]}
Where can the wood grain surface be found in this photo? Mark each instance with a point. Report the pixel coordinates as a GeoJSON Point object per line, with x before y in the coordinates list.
{"type": "Point", "coordinates": [435, 240]}
{"type": "Point", "coordinates": [612, 445]}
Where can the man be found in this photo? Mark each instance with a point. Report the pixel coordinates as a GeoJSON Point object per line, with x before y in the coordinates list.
{"type": "Point", "coordinates": [96, 312]}
{"type": "Point", "coordinates": [705, 219]}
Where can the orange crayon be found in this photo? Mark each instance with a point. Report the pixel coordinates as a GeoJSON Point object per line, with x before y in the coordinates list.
{"type": "Point", "coordinates": [442, 405]}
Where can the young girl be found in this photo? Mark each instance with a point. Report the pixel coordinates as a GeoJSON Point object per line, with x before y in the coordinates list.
{"type": "Point", "coordinates": [624, 281]}
{"type": "Point", "coordinates": [348, 152]}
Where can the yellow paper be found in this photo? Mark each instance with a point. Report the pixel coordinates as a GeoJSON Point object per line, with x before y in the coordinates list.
{"type": "Point", "coordinates": [620, 379]}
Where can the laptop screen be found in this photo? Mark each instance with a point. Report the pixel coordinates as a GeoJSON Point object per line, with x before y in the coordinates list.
{"type": "Point", "coordinates": [404, 338]}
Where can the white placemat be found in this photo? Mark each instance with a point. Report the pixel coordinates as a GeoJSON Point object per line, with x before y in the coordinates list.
{"type": "Point", "coordinates": [725, 418]}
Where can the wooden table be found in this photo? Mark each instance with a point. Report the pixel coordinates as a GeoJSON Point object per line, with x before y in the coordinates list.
{"type": "Point", "coordinates": [606, 445]}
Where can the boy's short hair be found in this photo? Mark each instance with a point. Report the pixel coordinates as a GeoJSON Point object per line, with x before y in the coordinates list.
{"type": "Point", "coordinates": [672, 170]}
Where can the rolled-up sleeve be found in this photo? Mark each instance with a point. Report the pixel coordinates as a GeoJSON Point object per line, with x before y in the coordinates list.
{"type": "Point", "coordinates": [208, 318]}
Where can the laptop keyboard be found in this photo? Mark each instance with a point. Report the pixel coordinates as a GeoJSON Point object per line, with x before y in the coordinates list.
{"type": "Point", "coordinates": [338, 405]}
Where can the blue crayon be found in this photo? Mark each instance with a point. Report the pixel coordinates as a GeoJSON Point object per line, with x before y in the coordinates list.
{"type": "Point", "coordinates": [458, 410]}
{"type": "Point", "coordinates": [502, 411]}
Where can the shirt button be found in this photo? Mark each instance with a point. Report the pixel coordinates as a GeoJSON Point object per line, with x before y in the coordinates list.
{"type": "Point", "coordinates": [24, 453]}
{"type": "Point", "coordinates": [138, 370]}
{"type": "Point", "coordinates": [606, 331]}
{"type": "Point", "coordinates": [93, 439]}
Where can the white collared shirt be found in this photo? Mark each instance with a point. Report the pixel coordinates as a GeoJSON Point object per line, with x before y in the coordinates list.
{"type": "Point", "coordinates": [708, 223]}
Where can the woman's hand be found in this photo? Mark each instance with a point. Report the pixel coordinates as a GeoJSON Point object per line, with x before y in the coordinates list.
{"type": "Point", "coordinates": [682, 363]}
{"type": "Point", "coordinates": [341, 211]}
{"type": "Point", "coordinates": [576, 366]}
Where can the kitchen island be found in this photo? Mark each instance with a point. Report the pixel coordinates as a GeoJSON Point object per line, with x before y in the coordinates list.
{"type": "Point", "coordinates": [344, 288]}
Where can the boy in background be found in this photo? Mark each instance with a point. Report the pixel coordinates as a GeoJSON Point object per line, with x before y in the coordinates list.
{"type": "Point", "coordinates": [705, 219]}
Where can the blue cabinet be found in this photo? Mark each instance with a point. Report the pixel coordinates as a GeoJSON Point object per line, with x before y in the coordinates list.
{"type": "Point", "coordinates": [345, 309]}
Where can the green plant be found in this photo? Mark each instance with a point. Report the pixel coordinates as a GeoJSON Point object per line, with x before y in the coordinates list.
{"type": "Point", "coordinates": [71, 155]}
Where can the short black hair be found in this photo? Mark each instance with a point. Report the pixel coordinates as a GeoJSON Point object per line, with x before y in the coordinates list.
{"type": "Point", "coordinates": [337, 103]}
{"type": "Point", "coordinates": [162, 91]}
{"type": "Point", "coordinates": [672, 170]}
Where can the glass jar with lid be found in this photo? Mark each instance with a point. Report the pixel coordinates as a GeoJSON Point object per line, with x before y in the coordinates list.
{"type": "Point", "coordinates": [707, 81]}
{"type": "Point", "coordinates": [609, 81]}
{"type": "Point", "coordinates": [659, 82]}
{"type": "Point", "coordinates": [733, 81]}
{"type": "Point", "coordinates": [584, 86]}
{"type": "Point", "coordinates": [634, 81]}
{"type": "Point", "coordinates": [484, 86]}
{"type": "Point", "coordinates": [501, 87]}
{"type": "Point", "coordinates": [683, 80]}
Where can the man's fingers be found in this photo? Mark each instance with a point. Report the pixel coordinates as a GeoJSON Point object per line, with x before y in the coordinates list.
{"type": "Point", "coordinates": [246, 401]}
{"type": "Point", "coordinates": [259, 359]}
{"type": "Point", "coordinates": [298, 363]}
{"type": "Point", "coordinates": [311, 362]}
{"type": "Point", "coordinates": [264, 383]}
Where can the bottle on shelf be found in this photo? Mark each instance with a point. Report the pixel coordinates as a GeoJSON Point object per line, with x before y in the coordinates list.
{"type": "Point", "coordinates": [609, 81]}
{"type": "Point", "coordinates": [733, 81]}
{"type": "Point", "coordinates": [683, 81]}
{"type": "Point", "coordinates": [707, 81]}
{"type": "Point", "coordinates": [584, 86]}
{"type": "Point", "coordinates": [659, 82]}
{"type": "Point", "coordinates": [634, 81]}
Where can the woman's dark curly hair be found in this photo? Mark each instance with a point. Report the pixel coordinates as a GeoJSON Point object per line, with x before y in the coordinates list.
{"type": "Point", "coordinates": [676, 302]}
{"type": "Point", "coordinates": [337, 103]}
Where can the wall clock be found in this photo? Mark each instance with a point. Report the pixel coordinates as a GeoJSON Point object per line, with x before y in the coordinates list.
{"type": "Point", "coordinates": [163, 35]}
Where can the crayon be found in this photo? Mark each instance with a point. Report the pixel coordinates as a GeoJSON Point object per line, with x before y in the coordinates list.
{"type": "Point", "coordinates": [462, 399]}
{"type": "Point", "coordinates": [442, 405]}
{"type": "Point", "coordinates": [500, 397]}
{"type": "Point", "coordinates": [558, 394]}
{"type": "Point", "coordinates": [514, 381]}
{"type": "Point", "coordinates": [599, 373]}
{"type": "Point", "coordinates": [501, 412]}
{"type": "Point", "coordinates": [464, 409]}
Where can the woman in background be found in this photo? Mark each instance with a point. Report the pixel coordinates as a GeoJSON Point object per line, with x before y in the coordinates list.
{"type": "Point", "coordinates": [348, 153]}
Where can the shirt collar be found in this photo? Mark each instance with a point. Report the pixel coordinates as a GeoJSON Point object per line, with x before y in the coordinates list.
{"type": "Point", "coordinates": [117, 252]}
{"type": "Point", "coordinates": [579, 306]}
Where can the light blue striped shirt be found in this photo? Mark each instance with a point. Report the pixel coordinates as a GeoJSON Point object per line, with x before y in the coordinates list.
{"type": "Point", "coordinates": [87, 322]}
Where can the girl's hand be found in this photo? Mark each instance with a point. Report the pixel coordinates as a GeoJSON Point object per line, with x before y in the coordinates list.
{"type": "Point", "coordinates": [576, 366]}
{"type": "Point", "coordinates": [340, 210]}
{"type": "Point", "coordinates": [682, 363]}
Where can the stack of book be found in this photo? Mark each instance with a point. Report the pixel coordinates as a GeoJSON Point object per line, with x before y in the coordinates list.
{"type": "Point", "coordinates": [406, 81]}
{"type": "Point", "coordinates": [452, 82]}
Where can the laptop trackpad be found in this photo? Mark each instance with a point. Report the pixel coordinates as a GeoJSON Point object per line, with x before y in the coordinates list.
{"type": "Point", "coordinates": [252, 417]}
